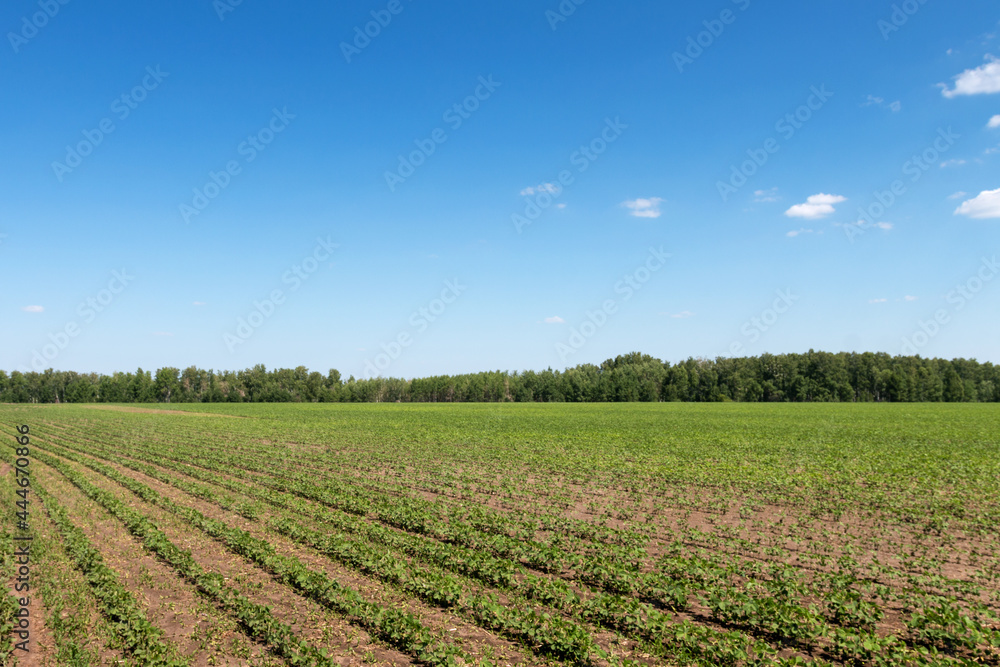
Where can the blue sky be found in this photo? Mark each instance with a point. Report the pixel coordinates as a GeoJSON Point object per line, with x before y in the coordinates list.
{"type": "Point", "coordinates": [212, 153]}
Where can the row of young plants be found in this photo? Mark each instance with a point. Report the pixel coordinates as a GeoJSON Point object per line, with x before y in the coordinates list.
{"type": "Point", "coordinates": [465, 474]}
{"type": "Point", "coordinates": [616, 545]}
{"type": "Point", "coordinates": [937, 624]}
{"type": "Point", "coordinates": [940, 624]}
{"type": "Point", "coordinates": [848, 637]}
{"type": "Point", "coordinates": [850, 590]}
{"type": "Point", "coordinates": [728, 545]}
{"type": "Point", "coordinates": [138, 638]}
{"type": "Point", "coordinates": [257, 620]}
{"type": "Point", "coordinates": [73, 614]}
{"type": "Point", "coordinates": [8, 602]}
{"type": "Point", "coordinates": [581, 536]}
{"type": "Point", "coordinates": [610, 573]}
{"type": "Point", "coordinates": [648, 624]}
{"type": "Point", "coordinates": [396, 628]}
{"type": "Point", "coordinates": [633, 618]}
{"type": "Point", "coordinates": [538, 515]}
{"type": "Point", "coordinates": [616, 612]}
{"type": "Point", "coordinates": [555, 636]}
{"type": "Point", "coordinates": [487, 556]}
{"type": "Point", "coordinates": [897, 464]}
{"type": "Point", "coordinates": [640, 626]}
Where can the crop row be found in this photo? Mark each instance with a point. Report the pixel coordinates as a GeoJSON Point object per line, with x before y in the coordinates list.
{"type": "Point", "coordinates": [635, 619]}
{"type": "Point", "coordinates": [543, 630]}
{"type": "Point", "coordinates": [256, 619]}
{"type": "Point", "coordinates": [137, 637]}
{"type": "Point", "coordinates": [773, 615]}
{"type": "Point", "coordinates": [482, 536]}
{"type": "Point", "coordinates": [553, 637]}
{"type": "Point", "coordinates": [616, 545]}
{"type": "Point", "coordinates": [624, 614]}
{"type": "Point", "coordinates": [894, 476]}
{"type": "Point", "coordinates": [8, 603]}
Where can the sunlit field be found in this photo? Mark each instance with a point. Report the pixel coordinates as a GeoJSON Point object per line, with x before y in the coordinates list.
{"type": "Point", "coordinates": [674, 534]}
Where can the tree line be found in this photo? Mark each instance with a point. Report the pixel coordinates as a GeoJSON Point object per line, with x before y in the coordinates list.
{"type": "Point", "coordinates": [809, 377]}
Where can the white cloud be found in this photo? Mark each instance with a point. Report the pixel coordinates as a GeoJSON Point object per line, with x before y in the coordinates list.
{"type": "Point", "coordinates": [555, 320]}
{"type": "Point", "coordinates": [816, 207]}
{"type": "Point", "coordinates": [544, 187]}
{"type": "Point", "coordinates": [878, 300]}
{"type": "Point", "coordinates": [644, 208]}
{"type": "Point", "coordinates": [200, 303]}
{"type": "Point", "coordinates": [884, 225]}
{"type": "Point", "coordinates": [33, 309]}
{"type": "Point", "coordinates": [797, 232]}
{"type": "Point", "coordinates": [982, 80]}
{"type": "Point", "coordinates": [762, 196]}
{"type": "Point", "coordinates": [958, 195]}
{"type": "Point", "coordinates": [880, 102]}
{"type": "Point", "coordinates": [952, 163]}
{"type": "Point", "coordinates": [994, 122]}
{"type": "Point", "coordinates": [985, 205]}
{"type": "Point", "coordinates": [909, 298]}
{"type": "Point", "coordinates": [683, 315]}
{"type": "Point", "coordinates": [560, 206]}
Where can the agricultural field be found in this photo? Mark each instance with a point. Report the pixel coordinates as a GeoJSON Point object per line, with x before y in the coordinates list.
{"type": "Point", "coordinates": [505, 534]}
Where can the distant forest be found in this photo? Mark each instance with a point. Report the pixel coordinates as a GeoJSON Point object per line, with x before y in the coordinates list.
{"type": "Point", "coordinates": [810, 377]}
